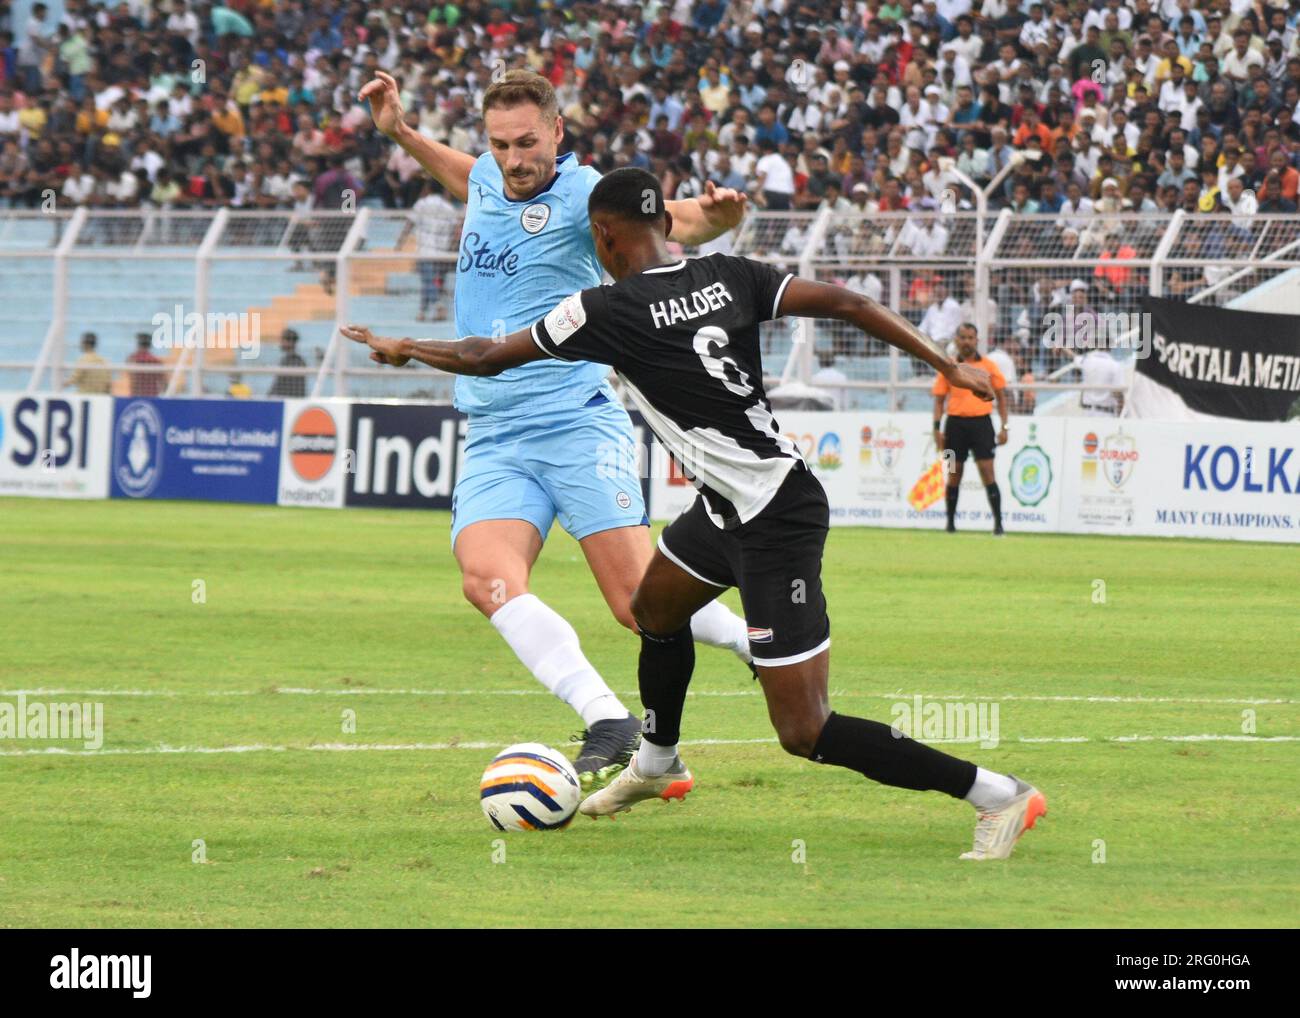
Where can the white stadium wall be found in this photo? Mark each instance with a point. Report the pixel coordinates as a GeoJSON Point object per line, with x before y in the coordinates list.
{"type": "Point", "coordinates": [1085, 475]}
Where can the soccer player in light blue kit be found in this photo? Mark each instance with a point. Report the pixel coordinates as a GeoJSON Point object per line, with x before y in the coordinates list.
{"type": "Point", "coordinates": [547, 439]}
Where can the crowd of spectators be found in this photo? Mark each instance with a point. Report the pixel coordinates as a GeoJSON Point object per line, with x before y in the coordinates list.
{"type": "Point", "coordinates": [1148, 104]}
{"type": "Point", "coordinates": [1086, 109]}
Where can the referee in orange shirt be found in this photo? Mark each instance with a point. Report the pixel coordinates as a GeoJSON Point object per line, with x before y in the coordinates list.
{"type": "Point", "coordinates": [970, 427]}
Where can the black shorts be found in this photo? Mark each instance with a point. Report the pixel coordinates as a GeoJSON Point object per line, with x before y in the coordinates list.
{"type": "Point", "coordinates": [774, 560]}
{"type": "Point", "coordinates": [969, 435]}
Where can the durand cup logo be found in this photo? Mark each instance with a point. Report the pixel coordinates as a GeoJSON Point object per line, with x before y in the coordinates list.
{"type": "Point", "coordinates": [1119, 455]}
{"type": "Point", "coordinates": [565, 318]}
{"type": "Point", "coordinates": [888, 447]}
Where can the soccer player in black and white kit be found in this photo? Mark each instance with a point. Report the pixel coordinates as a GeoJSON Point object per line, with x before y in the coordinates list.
{"type": "Point", "coordinates": [683, 336]}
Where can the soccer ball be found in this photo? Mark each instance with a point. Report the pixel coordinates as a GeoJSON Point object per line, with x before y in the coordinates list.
{"type": "Point", "coordinates": [529, 787]}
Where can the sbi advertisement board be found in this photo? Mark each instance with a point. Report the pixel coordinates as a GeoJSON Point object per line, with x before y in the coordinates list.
{"type": "Point", "coordinates": [54, 446]}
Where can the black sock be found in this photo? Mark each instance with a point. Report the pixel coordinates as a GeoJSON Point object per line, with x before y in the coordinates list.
{"type": "Point", "coordinates": [950, 498]}
{"type": "Point", "coordinates": [884, 754]}
{"type": "Point", "coordinates": [995, 502]}
{"type": "Point", "coordinates": [664, 672]}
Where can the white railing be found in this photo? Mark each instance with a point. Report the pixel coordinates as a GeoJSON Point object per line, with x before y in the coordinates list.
{"type": "Point", "coordinates": [115, 273]}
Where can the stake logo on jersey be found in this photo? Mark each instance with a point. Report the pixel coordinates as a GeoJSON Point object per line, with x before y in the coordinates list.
{"type": "Point", "coordinates": [684, 338]}
{"type": "Point", "coordinates": [518, 259]}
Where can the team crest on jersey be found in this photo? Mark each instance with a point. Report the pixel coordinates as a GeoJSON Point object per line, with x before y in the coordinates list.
{"type": "Point", "coordinates": [535, 217]}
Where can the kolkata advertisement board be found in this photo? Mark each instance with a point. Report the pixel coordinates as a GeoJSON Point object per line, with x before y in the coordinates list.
{"type": "Point", "coordinates": [1217, 479]}
{"type": "Point", "coordinates": [55, 446]}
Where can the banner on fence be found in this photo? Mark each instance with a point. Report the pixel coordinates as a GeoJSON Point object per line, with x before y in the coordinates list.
{"type": "Point", "coordinates": [316, 459]}
{"type": "Point", "coordinates": [1217, 361]}
{"type": "Point", "coordinates": [208, 449]}
{"type": "Point", "coordinates": [882, 469]}
{"type": "Point", "coordinates": [1222, 479]}
{"type": "Point", "coordinates": [404, 456]}
{"type": "Point", "coordinates": [1205, 479]}
{"type": "Point", "coordinates": [54, 446]}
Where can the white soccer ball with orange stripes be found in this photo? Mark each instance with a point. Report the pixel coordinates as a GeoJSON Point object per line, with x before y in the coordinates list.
{"type": "Point", "coordinates": [529, 787]}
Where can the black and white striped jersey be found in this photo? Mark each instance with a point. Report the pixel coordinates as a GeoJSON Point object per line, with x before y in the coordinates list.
{"type": "Point", "coordinates": [684, 339]}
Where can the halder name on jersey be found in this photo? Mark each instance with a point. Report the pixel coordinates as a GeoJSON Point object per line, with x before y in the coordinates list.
{"type": "Point", "coordinates": [684, 339]}
{"type": "Point", "coordinates": [517, 260]}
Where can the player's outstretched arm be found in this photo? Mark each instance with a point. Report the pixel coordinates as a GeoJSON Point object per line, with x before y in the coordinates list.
{"type": "Point", "coordinates": [474, 355]}
{"type": "Point", "coordinates": [448, 167]}
{"type": "Point", "coordinates": [804, 298]}
{"type": "Point", "coordinates": [698, 220]}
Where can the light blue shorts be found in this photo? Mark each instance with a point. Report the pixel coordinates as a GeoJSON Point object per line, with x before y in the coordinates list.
{"type": "Point", "coordinates": [577, 464]}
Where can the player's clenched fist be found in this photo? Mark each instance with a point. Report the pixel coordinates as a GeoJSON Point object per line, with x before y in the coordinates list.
{"type": "Point", "coordinates": [385, 102]}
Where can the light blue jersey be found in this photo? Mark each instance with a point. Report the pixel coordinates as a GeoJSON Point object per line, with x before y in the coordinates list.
{"type": "Point", "coordinates": [537, 430]}
{"type": "Point", "coordinates": [518, 259]}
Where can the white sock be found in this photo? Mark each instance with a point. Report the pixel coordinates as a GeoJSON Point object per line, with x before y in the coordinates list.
{"type": "Point", "coordinates": [990, 790]}
{"type": "Point", "coordinates": [718, 626]}
{"type": "Point", "coordinates": [652, 760]}
{"type": "Point", "coordinates": [548, 647]}
{"type": "Point", "coordinates": [606, 707]}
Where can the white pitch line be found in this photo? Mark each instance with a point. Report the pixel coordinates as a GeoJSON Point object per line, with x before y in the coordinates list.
{"type": "Point", "coordinates": [964, 697]}
{"type": "Point", "coordinates": [372, 747]}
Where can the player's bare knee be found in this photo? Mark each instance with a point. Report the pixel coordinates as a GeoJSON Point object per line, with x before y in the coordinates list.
{"type": "Point", "coordinates": [647, 616]}
{"type": "Point", "coordinates": [621, 609]}
{"type": "Point", "coordinates": [798, 732]}
{"type": "Point", "coordinates": [798, 740]}
{"type": "Point", "coordinates": [642, 612]}
{"type": "Point", "coordinates": [473, 592]}
{"type": "Point", "coordinates": [623, 615]}
{"type": "Point", "coordinates": [487, 593]}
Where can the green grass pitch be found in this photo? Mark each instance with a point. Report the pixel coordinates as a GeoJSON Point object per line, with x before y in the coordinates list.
{"type": "Point", "coordinates": [311, 614]}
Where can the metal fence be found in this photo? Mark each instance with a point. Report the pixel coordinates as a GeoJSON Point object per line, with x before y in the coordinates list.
{"type": "Point", "coordinates": [249, 303]}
